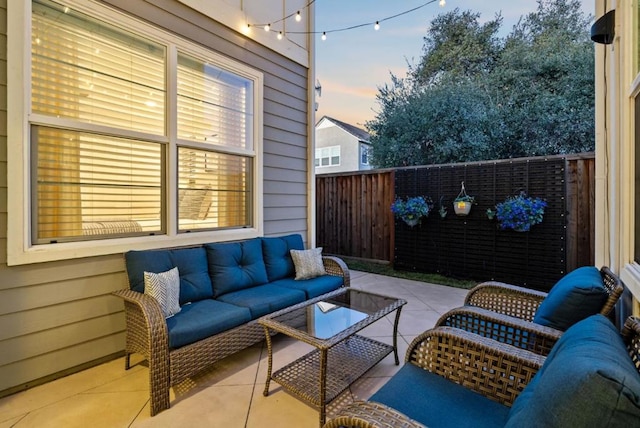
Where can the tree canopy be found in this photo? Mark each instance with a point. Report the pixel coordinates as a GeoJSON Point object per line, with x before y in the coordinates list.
{"type": "Point", "coordinates": [476, 96]}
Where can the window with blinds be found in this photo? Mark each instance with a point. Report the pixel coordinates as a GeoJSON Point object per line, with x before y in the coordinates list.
{"type": "Point", "coordinates": [100, 142]}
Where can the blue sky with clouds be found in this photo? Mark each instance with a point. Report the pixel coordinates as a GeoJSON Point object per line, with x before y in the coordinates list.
{"type": "Point", "coordinates": [351, 65]}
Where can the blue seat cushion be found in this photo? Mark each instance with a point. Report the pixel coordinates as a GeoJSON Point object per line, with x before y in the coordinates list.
{"type": "Point", "coordinates": [277, 256]}
{"type": "Point", "coordinates": [312, 287]}
{"type": "Point", "coordinates": [195, 283]}
{"type": "Point", "coordinates": [264, 299]}
{"type": "Point", "coordinates": [204, 318]}
{"type": "Point", "coordinates": [235, 265]}
{"type": "Point", "coordinates": [587, 380]}
{"type": "Point", "coordinates": [437, 402]}
{"type": "Point", "coordinates": [576, 296]}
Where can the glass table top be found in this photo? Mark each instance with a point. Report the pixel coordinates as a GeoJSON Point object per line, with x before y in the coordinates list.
{"type": "Point", "coordinates": [329, 317]}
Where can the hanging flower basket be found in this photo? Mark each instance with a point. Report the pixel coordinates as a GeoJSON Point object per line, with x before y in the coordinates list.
{"type": "Point", "coordinates": [462, 203]}
{"type": "Point", "coordinates": [411, 210]}
{"type": "Point", "coordinates": [520, 212]}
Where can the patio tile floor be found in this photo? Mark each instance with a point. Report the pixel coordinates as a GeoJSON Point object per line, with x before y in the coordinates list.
{"type": "Point", "coordinates": [228, 395]}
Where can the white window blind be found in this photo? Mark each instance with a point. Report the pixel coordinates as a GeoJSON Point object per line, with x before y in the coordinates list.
{"type": "Point", "coordinates": [214, 105]}
{"type": "Point", "coordinates": [85, 70]}
{"type": "Point", "coordinates": [89, 185]}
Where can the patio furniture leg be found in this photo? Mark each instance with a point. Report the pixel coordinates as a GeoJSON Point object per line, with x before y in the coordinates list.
{"type": "Point", "coordinates": [270, 363]}
{"type": "Point", "coordinates": [323, 386]}
{"type": "Point", "coordinates": [395, 336]}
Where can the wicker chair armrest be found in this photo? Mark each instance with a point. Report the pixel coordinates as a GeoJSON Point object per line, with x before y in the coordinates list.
{"type": "Point", "coordinates": [146, 324]}
{"type": "Point", "coordinates": [369, 414]}
{"type": "Point", "coordinates": [506, 299]}
{"type": "Point", "coordinates": [513, 331]}
{"type": "Point", "coordinates": [614, 287]}
{"type": "Point", "coordinates": [337, 267]}
{"type": "Point", "coordinates": [496, 370]}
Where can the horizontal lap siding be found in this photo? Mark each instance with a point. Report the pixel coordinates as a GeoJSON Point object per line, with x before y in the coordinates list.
{"type": "Point", "coordinates": [60, 315]}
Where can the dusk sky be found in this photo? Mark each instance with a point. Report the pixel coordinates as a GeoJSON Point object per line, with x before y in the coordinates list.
{"type": "Point", "coordinates": [351, 65]}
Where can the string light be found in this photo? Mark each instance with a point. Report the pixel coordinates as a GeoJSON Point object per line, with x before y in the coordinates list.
{"type": "Point", "coordinates": [376, 24]}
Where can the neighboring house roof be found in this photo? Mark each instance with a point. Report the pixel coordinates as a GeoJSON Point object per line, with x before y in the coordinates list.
{"type": "Point", "coordinates": [360, 134]}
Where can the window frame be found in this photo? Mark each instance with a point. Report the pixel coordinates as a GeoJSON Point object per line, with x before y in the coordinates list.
{"type": "Point", "coordinates": [20, 250]}
{"type": "Point", "coordinates": [365, 154]}
{"type": "Point", "coordinates": [329, 158]}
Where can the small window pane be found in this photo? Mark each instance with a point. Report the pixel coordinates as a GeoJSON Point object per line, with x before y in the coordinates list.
{"type": "Point", "coordinates": [92, 72]}
{"type": "Point", "coordinates": [214, 190]}
{"type": "Point", "coordinates": [87, 185]}
{"type": "Point", "coordinates": [335, 160]}
{"type": "Point", "coordinates": [214, 105]}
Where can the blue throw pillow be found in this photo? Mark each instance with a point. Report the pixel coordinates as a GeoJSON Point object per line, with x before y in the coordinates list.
{"type": "Point", "coordinates": [236, 265]}
{"type": "Point", "coordinates": [191, 263]}
{"type": "Point", "coordinates": [577, 295]}
{"type": "Point", "coordinates": [588, 380]}
{"type": "Point", "coordinates": [277, 255]}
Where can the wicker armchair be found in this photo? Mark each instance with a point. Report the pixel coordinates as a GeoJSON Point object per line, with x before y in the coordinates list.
{"type": "Point", "coordinates": [505, 312]}
{"type": "Point", "coordinates": [603, 388]}
{"type": "Point", "coordinates": [497, 371]}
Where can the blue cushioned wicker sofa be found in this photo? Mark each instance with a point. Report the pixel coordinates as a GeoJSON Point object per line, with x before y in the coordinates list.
{"type": "Point", "coordinates": [223, 289]}
{"type": "Point", "coordinates": [454, 378]}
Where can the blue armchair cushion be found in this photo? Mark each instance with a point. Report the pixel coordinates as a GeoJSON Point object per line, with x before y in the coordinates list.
{"type": "Point", "coordinates": [202, 319]}
{"type": "Point", "coordinates": [277, 257]}
{"type": "Point", "coordinates": [235, 266]}
{"type": "Point", "coordinates": [588, 379]}
{"type": "Point", "coordinates": [264, 299]}
{"type": "Point", "coordinates": [195, 283]}
{"type": "Point", "coordinates": [576, 296]}
{"type": "Point", "coordinates": [312, 287]}
{"type": "Point", "coordinates": [437, 402]}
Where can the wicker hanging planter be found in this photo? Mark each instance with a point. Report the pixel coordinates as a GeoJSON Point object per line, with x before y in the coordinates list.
{"type": "Point", "coordinates": [462, 203]}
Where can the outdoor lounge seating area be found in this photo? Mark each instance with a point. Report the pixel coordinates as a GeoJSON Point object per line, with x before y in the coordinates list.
{"type": "Point", "coordinates": [445, 368]}
{"type": "Point", "coordinates": [230, 393]}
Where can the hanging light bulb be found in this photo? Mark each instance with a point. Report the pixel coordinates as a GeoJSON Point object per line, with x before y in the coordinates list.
{"type": "Point", "coordinates": [280, 35]}
{"type": "Point", "coordinates": [442, 3]}
{"type": "Point", "coordinates": [324, 35]}
{"type": "Point", "coordinates": [298, 17]}
{"type": "Point", "coordinates": [267, 27]}
{"type": "Point", "coordinates": [376, 26]}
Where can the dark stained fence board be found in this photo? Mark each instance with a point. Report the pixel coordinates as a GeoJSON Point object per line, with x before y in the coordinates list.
{"type": "Point", "coordinates": [354, 219]}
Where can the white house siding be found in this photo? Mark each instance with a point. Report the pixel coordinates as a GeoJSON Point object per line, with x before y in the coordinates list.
{"type": "Point", "coordinates": [57, 317]}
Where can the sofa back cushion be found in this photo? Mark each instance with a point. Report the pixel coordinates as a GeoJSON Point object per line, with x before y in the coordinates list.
{"type": "Point", "coordinates": [195, 283]}
{"type": "Point", "coordinates": [579, 294]}
{"type": "Point", "coordinates": [588, 379]}
{"type": "Point", "coordinates": [277, 256]}
{"type": "Point", "coordinates": [235, 266]}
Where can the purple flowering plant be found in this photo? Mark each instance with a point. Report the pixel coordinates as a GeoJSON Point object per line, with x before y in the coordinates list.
{"type": "Point", "coordinates": [520, 212]}
{"type": "Point", "coordinates": [411, 209]}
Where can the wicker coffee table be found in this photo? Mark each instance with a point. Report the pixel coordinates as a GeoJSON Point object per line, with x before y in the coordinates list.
{"type": "Point", "coordinates": [330, 323]}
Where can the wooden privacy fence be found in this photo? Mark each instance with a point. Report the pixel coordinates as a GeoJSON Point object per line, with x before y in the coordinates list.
{"type": "Point", "coordinates": [354, 219]}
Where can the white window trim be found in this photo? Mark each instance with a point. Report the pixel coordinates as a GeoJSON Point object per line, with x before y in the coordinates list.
{"type": "Point", "coordinates": [19, 248]}
{"type": "Point", "coordinates": [330, 165]}
{"type": "Point", "coordinates": [620, 193]}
